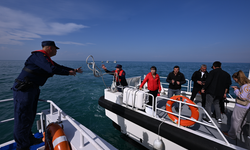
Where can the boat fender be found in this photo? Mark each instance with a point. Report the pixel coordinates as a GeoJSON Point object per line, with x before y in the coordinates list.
{"type": "Point", "coordinates": [158, 144]}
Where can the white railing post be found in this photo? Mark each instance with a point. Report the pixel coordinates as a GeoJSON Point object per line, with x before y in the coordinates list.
{"type": "Point", "coordinates": [41, 119]}
{"type": "Point", "coordinates": [81, 141]}
{"type": "Point", "coordinates": [59, 116]}
{"type": "Point", "coordinates": [179, 114]}
{"type": "Point", "coordinates": [51, 108]}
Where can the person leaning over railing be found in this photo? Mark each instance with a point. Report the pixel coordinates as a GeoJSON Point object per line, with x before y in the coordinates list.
{"type": "Point", "coordinates": [38, 68]}
{"type": "Point", "coordinates": [119, 75]}
{"type": "Point", "coordinates": [242, 103]}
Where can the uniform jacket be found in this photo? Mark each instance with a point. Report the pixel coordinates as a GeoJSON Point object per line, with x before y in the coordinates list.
{"type": "Point", "coordinates": [153, 83]}
{"type": "Point", "coordinates": [42, 68]}
{"type": "Point", "coordinates": [197, 77]}
{"type": "Point", "coordinates": [179, 77]}
{"type": "Point", "coordinates": [217, 82]}
{"type": "Point", "coordinates": [121, 75]}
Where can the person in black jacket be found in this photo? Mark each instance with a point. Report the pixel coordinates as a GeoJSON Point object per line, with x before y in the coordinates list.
{"type": "Point", "coordinates": [199, 78]}
{"type": "Point", "coordinates": [175, 80]}
{"type": "Point", "coordinates": [216, 87]}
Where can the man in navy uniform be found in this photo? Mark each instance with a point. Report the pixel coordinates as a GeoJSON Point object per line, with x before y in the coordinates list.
{"type": "Point", "coordinates": [38, 68]}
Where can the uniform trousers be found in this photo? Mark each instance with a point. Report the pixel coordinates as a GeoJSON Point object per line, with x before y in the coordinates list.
{"type": "Point", "coordinates": [25, 107]}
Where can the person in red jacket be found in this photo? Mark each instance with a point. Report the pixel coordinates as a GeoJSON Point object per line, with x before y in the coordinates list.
{"type": "Point", "coordinates": [154, 86]}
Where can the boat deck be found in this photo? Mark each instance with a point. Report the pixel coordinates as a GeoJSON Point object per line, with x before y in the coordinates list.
{"type": "Point", "coordinates": [79, 137]}
{"type": "Point", "coordinates": [224, 126]}
{"type": "Point", "coordinates": [12, 144]}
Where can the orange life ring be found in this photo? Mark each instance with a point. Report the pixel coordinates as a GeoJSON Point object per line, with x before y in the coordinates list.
{"type": "Point", "coordinates": [58, 137]}
{"type": "Point", "coordinates": [194, 110]}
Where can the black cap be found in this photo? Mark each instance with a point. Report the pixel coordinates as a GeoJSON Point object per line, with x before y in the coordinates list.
{"type": "Point", "coordinates": [49, 43]}
{"type": "Point", "coordinates": [118, 66]}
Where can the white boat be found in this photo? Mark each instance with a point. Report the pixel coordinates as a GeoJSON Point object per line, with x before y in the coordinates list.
{"type": "Point", "coordinates": [154, 129]}
{"type": "Point", "coordinates": [107, 61]}
{"type": "Point", "coordinates": [79, 137]}
{"type": "Point", "coordinates": [114, 61]}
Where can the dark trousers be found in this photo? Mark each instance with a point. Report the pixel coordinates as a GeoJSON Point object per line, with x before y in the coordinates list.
{"type": "Point", "coordinates": [203, 96]}
{"type": "Point", "coordinates": [154, 93]}
{"type": "Point", "coordinates": [25, 106]}
{"type": "Point", "coordinates": [216, 101]}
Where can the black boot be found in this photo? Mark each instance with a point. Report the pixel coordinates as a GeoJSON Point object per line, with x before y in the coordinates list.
{"type": "Point", "coordinates": [35, 141]}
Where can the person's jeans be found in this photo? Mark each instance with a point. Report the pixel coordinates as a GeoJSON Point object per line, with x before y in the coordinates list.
{"type": "Point", "coordinates": [171, 92]}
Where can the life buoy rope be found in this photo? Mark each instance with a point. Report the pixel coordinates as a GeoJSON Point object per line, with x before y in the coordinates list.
{"type": "Point", "coordinates": [194, 111]}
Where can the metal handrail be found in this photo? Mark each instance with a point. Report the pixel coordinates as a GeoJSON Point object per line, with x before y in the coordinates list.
{"type": "Point", "coordinates": [53, 106]}
{"type": "Point", "coordinates": [185, 86]}
{"type": "Point", "coordinates": [83, 133]}
{"type": "Point", "coordinates": [180, 116]}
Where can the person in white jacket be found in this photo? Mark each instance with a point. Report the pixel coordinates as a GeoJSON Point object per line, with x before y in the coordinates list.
{"type": "Point", "coordinates": [239, 110]}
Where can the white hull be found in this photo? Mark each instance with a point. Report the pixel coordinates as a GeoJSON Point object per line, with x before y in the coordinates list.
{"type": "Point", "coordinates": [139, 134]}
{"type": "Point", "coordinates": [128, 112]}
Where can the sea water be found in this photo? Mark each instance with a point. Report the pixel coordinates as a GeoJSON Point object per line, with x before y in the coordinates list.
{"type": "Point", "coordinates": [78, 95]}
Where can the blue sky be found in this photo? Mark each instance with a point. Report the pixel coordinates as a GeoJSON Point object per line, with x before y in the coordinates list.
{"type": "Point", "coordinates": [128, 30]}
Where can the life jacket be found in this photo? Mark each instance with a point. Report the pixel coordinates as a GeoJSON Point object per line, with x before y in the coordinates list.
{"type": "Point", "coordinates": [43, 51]}
{"type": "Point", "coordinates": [120, 74]}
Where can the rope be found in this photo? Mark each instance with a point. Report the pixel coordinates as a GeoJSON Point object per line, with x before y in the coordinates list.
{"type": "Point", "coordinates": [96, 71]}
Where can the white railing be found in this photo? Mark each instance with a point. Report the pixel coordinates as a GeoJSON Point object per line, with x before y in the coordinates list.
{"type": "Point", "coordinates": [53, 108]}
{"type": "Point", "coordinates": [179, 113]}
{"type": "Point", "coordinates": [194, 120]}
{"type": "Point", "coordinates": [188, 83]}
{"type": "Point", "coordinates": [83, 134]}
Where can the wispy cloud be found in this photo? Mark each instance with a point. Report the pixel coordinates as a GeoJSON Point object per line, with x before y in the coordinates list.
{"type": "Point", "coordinates": [74, 43]}
{"type": "Point", "coordinates": [16, 26]}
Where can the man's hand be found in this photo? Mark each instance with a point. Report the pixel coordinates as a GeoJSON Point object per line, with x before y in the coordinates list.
{"type": "Point", "coordinates": [225, 95]}
{"type": "Point", "coordinates": [79, 70]}
{"type": "Point", "coordinates": [178, 82]}
{"type": "Point", "coordinates": [72, 72]}
{"type": "Point", "coordinates": [172, 81]}
{"type": "Point", "coordinates": [199, 82]}
{"type": "Point", "coordinates": [202, 91]}
{"type": "Point", "coordinates": [140, 88]}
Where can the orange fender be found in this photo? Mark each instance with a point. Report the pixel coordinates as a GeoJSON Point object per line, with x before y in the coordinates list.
{"type": "Point", "coordinates": [194, 111]}
{"type": "Point", "coordinates": [58, 137]}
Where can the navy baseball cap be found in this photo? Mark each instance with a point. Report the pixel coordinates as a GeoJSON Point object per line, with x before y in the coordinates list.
{"type": "Point", "coordinates": [118, 66]}
{"type": "Point", "coordinates": [49, 43]}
